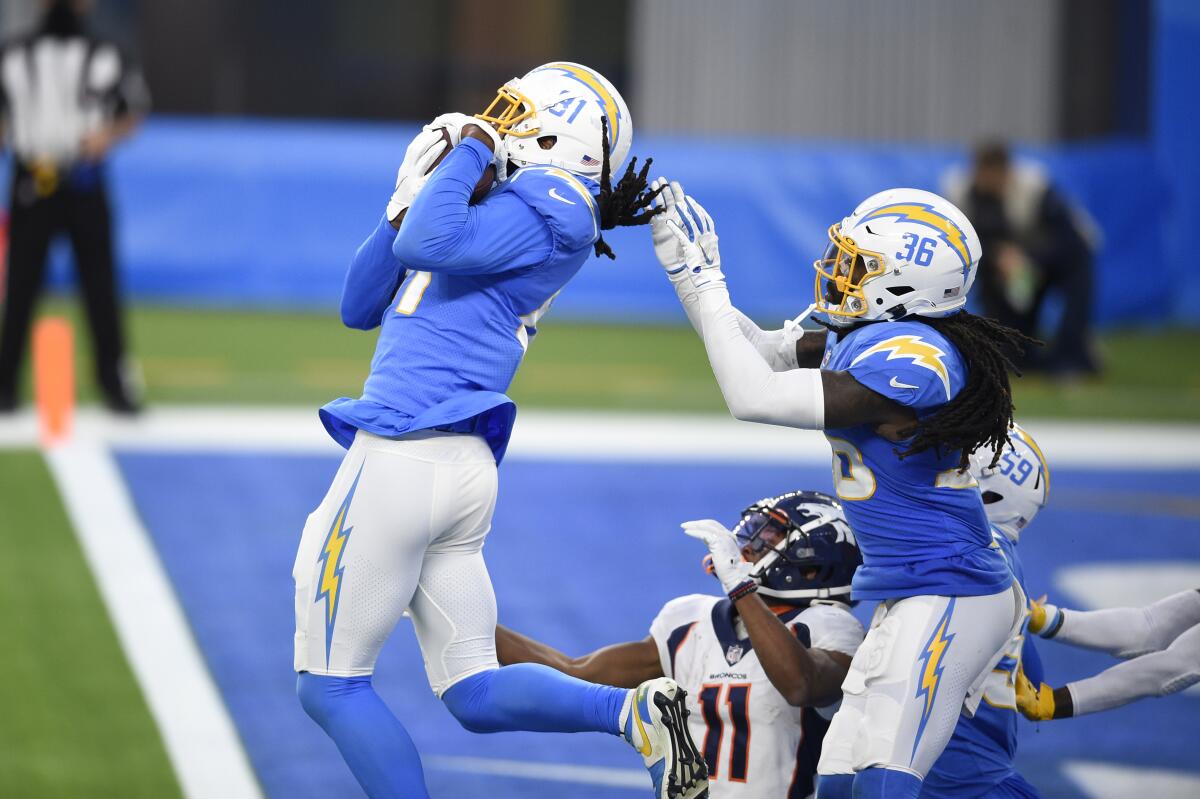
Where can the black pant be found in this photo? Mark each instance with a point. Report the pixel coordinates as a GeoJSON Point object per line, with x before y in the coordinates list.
{"type": "Point", "coordinates": [78, 206]}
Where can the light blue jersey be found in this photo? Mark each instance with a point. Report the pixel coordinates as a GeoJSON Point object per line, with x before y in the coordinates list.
{"type": "Point", "coordinates": [919, 521]}
{"type": "Point", "coordinates": [476, 279]}
{"type": "Point", "coordinates": [978, 762]}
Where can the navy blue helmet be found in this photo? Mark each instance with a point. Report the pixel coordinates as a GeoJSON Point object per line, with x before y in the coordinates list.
{"type": "Point", "coordinates": [811, 552]}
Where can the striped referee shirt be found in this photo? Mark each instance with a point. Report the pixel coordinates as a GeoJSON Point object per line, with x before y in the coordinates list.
{"type": "Point", "coordinates": [55, 90]}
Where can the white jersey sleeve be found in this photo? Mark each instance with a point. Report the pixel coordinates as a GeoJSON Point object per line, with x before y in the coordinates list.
{"type": "Point", "coordinates": [674, 623]}
{"type": "Point", "coordinates": [831, 628]}
{"type": "Point", "coordinates": [1157, 674]}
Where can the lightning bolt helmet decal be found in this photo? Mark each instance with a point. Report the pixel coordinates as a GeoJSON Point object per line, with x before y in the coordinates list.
{"type": "Point", "coordinates": [924, 214]}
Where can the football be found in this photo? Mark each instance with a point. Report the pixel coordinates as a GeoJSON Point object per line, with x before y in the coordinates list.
{"type": "Point", "coordinates": [486, 181]}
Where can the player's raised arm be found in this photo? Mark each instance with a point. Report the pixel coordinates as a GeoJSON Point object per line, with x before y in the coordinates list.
{"type": "Point", "coordinates": [375, 272]}
{"type": "Point", "coordinates": [686, 245]}
{"type": "Point", "coordinates": [625, 665]}
{"type": "Point", "coordinates": [805, 677]}
{"type": "Point", "coordinates": [1162, 641]}
{"type": "Point", "coordinates": [443, 232]}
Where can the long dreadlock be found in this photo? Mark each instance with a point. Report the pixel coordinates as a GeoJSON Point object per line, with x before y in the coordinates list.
{"type": "Point", "coordinates": [981, 413]}
{"type": "Point", "coordinates": [621, 204]}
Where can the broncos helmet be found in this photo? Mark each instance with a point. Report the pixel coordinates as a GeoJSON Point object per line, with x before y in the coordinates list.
{"type": "Point", "coordinates": [800, 531]}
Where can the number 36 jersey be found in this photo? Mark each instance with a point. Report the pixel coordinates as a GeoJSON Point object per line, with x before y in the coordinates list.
{"type": "Point", "coordinates": [755, 743]}
{"type": "Point", "coordinates": [919, 521]}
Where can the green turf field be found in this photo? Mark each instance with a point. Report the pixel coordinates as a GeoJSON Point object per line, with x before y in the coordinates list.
{"type": "Point", "coordinates": [75, 723]}
{"type": "Point", "coordinates": [196, 356]}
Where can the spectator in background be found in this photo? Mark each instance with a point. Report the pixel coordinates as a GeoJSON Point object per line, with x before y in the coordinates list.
{"type": "Point", "coordinates": [66, 97]}
{"type": "Point", "coordinates": [1034, 243]}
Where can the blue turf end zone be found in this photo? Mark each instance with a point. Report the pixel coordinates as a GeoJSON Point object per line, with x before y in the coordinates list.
{"type": "Point", "coordinates": [582, 555]}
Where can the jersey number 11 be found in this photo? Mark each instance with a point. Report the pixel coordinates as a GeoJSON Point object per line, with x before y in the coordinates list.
{"type": "Point", "coordinates": [736, 703]}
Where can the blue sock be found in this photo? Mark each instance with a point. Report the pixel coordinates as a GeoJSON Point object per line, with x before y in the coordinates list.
{"type": "Point", "coordinates": [534, 698]}
{"type": "Point", "coordinates": [373, 742]}
{"type": "Point", "coordinates": [878, 782]}
{"type": "Point", "coordinates": [835, 786]}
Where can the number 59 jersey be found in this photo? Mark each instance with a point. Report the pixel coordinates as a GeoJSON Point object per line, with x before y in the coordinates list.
{"type": "Point", "coordinates": [754, 742]}
{"type": "Point", "coordinates": [919, 521]}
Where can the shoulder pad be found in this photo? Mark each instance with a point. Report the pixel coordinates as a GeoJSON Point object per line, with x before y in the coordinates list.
{"type": "Point", "coordinates": [907, 362]}
{"type": "Point", "coordinates": [682, 610]}
{"type": "Point", "coordinates": [564, 200]}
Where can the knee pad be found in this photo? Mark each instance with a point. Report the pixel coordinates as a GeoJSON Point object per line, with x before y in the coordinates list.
{"type": "Point", "coordinates": [321, 696]}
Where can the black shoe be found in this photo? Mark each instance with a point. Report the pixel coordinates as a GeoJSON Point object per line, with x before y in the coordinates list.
{"type": "Point", "coordinates": [8, 403]}
{"type": "Point", "coordinates": [123, 405]}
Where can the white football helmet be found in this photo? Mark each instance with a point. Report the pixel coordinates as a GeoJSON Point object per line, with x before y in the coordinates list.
{"type": "Point", "coordinates": [561, 104]}
{"type": "Point", "coordinates": [901, 252]}
{"type": "Point", "coordinates": [1017, 487]}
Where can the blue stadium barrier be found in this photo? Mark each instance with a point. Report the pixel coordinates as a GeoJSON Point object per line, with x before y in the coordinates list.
{"type": "Point", "coordinates": [256, 213]}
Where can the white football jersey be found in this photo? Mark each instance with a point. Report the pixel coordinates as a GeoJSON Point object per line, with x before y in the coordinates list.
{"type": "Point", "coordinates": [754, 742]}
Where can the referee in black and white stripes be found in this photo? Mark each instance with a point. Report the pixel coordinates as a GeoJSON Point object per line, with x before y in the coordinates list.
{"type": "Point", "coordinates": [66, 97]}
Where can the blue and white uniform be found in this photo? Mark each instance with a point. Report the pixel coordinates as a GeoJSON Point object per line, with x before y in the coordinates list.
{"type": "Point", "coordinates": [978, 762]}
{"type": "Point", "coordinates": [919, 522]}
{"type": "Point", "coordinates": [948, 601]}
{"type": "Point", "coordinates": [457, 293]}
{"type": "Point", "coordinates": [479, 278]}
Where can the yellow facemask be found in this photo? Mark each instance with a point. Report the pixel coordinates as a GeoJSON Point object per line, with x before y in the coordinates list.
{"type": "Point", "coordinates": [841, 274]}
{"type": "Point", "coordinates": [509, 109]}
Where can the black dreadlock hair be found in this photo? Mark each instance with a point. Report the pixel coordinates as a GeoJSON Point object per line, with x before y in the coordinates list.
{"type": "Point", "coordinates": [981, 413]}
{"type": "Point", "coordinates": [621, 204]}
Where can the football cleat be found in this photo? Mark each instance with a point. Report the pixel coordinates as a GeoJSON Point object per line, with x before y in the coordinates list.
{"type": "Point", "coordinates": [654, 722]}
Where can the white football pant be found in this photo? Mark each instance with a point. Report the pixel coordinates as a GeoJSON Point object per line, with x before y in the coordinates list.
{"type": "Point", "coordinates": [402, 527]}
{"type": "Point", "coordinates": [922, 663]}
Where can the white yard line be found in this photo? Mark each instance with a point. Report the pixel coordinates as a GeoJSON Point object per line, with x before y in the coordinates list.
{"type": "Point", "coordinates": [635, 779]}
{"type": "Point", "coordinates": [199, 736]}
{"type": "Point", "coordinates": [1109, 781]}
{"type": "Point", "coordinates": [604, 436]}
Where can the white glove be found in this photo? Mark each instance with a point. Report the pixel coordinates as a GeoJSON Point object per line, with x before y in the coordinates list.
{"type": "Point", "coordinates": [411, 177]}
{"type": "Point", "coordinates": [727, 562]}
{"type": "Point", "coordinates": [685, 240]}
{"type": "Point", "coordinates": [454, 122]}
{"type": "Point", "coordinates": [777, 347]}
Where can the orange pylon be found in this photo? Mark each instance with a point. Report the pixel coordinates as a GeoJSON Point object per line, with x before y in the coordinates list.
{"type": "Point", "coordinates": [53, 378]}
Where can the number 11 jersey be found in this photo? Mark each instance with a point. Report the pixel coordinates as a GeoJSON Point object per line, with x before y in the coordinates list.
{"type": "Point", "coordinates": [755, 743]}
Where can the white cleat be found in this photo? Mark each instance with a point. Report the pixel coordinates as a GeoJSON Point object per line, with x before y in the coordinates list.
{"type": "Point", "coordinates": [654, 722]}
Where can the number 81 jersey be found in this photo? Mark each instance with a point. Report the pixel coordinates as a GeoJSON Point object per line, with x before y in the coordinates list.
{"type": "Point", "coordinates": [754, 742]}
{"type": "Point", "coordinates": [919, 521]}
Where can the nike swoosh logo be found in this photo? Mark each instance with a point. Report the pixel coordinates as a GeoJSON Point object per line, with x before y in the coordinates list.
{"type": "Point", "coordinates": [645, 749]}
{"type": "Point", "coordinates": [895, 383]}
{"type": "Point", "coordinates": [554, 193]}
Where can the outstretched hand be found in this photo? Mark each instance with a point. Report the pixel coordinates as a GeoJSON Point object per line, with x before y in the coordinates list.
{"type": "Point", "coordinates": [727, 562]}
{"type": "Point", "coordinates": [685, 239]}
